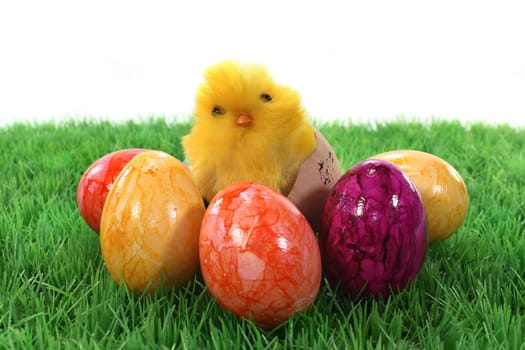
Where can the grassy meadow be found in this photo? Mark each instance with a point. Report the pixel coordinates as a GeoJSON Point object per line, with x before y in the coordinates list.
{"type": "Point", "coordinates": [55, 291]}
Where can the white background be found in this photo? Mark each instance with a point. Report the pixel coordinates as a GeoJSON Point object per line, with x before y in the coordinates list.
{"type": "Point", "coordinates": [366, 60]}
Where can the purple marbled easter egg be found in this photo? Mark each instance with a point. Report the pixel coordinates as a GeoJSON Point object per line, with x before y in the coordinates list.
{"type": "Point", "coordinates": [373, 234]}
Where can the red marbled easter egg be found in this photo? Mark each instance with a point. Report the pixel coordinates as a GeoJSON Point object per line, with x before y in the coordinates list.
{"type": "Point", "coordinates": [373, 235]}
{"type": "Point", "coordinates": [96, 182]}
{"type": "Point", "coordinates": [259, 256]}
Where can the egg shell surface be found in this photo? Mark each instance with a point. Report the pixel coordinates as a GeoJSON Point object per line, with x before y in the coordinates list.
{"type": "Point", "coordinates": [441, 187]}
{"type": "Point", "coordinates": [96, 182]}
{"type": "Point", "coordinates": [373, 235]}
{"type": "Point", "coordinates": [259, 256]}
{"type": "Point", "coordinates": [150, 223]}
{"type": "Point", "coordinates": [316, 176]}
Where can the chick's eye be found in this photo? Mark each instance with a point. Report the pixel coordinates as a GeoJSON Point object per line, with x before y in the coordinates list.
{"type": "Point", "coordinates": [265, 97]}
{"type": "Point", "coordinates": [217, 111]}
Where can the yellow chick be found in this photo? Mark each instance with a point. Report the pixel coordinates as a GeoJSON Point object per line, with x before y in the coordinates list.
{"type": "Point", "coordinates": [246, 128]}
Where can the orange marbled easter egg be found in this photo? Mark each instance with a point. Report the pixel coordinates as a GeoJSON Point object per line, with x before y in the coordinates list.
{"type": "Point", "coordinates": [150, 223]}
{"type": "Point", "coordinates": [441, 187]}
{"type": "Point", "coordinates": [259, 256]}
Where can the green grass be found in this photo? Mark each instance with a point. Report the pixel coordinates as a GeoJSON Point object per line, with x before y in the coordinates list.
{"type": "Point", "coordinates": [55, 291]}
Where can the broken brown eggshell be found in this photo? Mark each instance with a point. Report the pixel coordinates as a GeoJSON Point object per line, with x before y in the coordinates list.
{"type": "Point", "coordinates": [316, 176]}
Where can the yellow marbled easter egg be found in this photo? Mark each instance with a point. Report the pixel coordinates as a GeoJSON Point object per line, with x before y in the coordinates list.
{"type": "Point", "coordinates": [150, 223]}
{"type": "Point", "coordinates": [441, 187]}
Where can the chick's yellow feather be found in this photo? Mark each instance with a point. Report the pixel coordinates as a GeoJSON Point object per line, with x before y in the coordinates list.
{"type": "Point", "coordinates": [246, 127]}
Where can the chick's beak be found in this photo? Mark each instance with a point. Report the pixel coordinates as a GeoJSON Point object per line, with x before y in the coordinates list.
{"type": "Point", "coordinates": [244, 120]}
